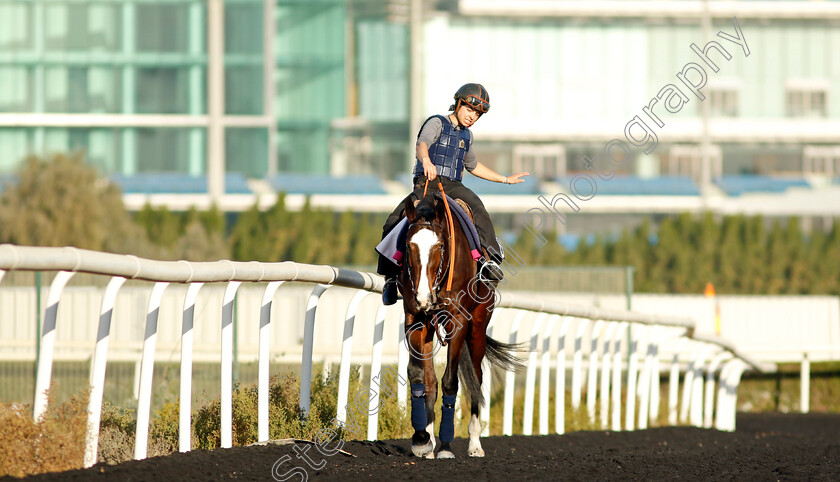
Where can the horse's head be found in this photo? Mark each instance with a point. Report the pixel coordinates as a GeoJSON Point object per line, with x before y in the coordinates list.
{"type": "Point", "coordinates": [426, 254]}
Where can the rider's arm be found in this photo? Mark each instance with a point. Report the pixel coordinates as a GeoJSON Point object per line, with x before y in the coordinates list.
{"type": "Point", "coordinates": [485, 172]}
{"type": "Point", "coordinates": [423, 154]}
{"type": "Point", "coordinates": [429, 134]}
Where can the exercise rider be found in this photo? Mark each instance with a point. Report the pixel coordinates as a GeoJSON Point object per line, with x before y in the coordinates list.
{"type": "Point", "coordinates": [444, 148]}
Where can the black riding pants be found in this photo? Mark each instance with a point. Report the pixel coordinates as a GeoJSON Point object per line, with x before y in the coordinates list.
{"type": "Point", "coordinates": [455, 190]}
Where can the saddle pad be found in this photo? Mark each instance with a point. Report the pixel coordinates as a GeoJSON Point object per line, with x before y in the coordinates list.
{"type": "Point", "coordinates": [388, 246]}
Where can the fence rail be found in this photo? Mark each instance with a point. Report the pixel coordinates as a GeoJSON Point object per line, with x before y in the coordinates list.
{"type": "Point", "coordinates": [607, 326]}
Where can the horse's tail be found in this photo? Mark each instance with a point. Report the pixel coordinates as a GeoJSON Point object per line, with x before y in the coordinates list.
{"type": "Point", "coordinates": [498, 354]}
{"type": "Point", "coordinates": [502, 355]}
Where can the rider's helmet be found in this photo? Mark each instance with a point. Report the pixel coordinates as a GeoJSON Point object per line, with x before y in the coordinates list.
{"type": "Point", "coordinates": [474, 95]}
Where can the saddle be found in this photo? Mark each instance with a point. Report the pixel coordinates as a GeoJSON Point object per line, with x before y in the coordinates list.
{"type": "Point", "coordinates": [393, 243]}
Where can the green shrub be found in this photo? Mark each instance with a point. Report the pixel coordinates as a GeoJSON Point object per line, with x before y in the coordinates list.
{"type": "Point", "coordinates": [163, 432]}
{"type": "Point", "coordinates": [116, 434]}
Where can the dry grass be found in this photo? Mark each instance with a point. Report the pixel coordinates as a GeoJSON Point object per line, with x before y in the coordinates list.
{"type": "Point", "coordinates": [54, 443]}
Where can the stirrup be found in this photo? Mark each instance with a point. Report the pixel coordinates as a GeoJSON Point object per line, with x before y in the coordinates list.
{"type": "Point", "coordinates": [490, 273]}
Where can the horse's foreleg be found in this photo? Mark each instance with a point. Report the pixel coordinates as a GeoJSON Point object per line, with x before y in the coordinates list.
{"type": "Point", "coordinates": [450, 388]}
{"type": "Point", "coordinates": [431, 394]}
{"type": "Point", "coordinates": [422, 443]}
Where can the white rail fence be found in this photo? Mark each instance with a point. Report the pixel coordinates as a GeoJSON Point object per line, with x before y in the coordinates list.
{"type": "Point", "coordinates": [648, 340]}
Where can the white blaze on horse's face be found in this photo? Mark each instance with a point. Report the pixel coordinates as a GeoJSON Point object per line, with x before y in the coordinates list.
{"type": "Point", "coordinates": [424, 239]}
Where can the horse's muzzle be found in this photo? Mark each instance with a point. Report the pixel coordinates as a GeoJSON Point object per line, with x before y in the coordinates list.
{"type": "Point", "coordinates": [432, 304]}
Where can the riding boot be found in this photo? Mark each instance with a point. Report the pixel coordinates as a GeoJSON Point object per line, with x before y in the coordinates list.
{"type": "Point", "coordinates": [390, 293]}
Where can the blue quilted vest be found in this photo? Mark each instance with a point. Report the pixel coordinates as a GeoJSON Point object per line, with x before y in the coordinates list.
{"type": "Point", "coordinates": [447, 154]}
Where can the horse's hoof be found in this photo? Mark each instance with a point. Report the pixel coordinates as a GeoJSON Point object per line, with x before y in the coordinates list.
{"type": "Point", "coordinates": [445, 454]}
{"type": "Point", "coordinates": [476, 452]}
{"type": "Point", "coordinates": [426, 451]}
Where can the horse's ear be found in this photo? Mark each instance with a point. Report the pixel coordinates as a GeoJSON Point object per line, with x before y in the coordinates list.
{"type": "Point", "coordinates": [410, 211]}
{"type": "Point", "coordinates": [440, 208]}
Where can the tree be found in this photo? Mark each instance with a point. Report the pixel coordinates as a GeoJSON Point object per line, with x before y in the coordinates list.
{"type": "Point", "coordinates": [197, 244]}
{"type": "Point", "coordinates": [161, 225]}
{"type": "Point", "coordinates": [60, 201]}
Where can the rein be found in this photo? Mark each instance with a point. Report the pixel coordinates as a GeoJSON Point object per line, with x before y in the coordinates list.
{"type": "Point", "coordinates": [451, 233]}
{"type": "Point", "coordinates": [449, 219]}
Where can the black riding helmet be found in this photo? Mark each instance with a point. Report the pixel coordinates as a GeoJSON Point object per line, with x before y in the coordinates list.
{"type": "Point", "coordinates": [474, 95]}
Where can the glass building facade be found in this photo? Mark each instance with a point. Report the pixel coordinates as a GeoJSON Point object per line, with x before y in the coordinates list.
{"type": "Point", "coordinates": [127, 82]}
{"type": "Point", "coordinates": [261, 87]}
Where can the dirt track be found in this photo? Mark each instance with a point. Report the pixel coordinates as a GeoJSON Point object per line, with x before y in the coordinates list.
{"type": "Point", "coordinates": [765, 447]}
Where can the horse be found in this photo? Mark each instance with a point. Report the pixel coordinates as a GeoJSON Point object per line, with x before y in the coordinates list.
{"type": "Point", "coordinates": [442, 292]}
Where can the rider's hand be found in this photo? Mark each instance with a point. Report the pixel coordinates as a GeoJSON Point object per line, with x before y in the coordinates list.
{"type": "Point", "coordinates": [429, 169]}
{"type": "Point", "coordinates": [516, 178]}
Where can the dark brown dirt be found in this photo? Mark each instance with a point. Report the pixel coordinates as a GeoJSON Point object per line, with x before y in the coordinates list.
{"type": "Point", "coordinates": [765, 447]}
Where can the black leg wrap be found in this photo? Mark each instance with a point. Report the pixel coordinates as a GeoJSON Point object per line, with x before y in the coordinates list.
{"type": "Point", "coordinates": [447, 419]}
{"type": "Point", "coordinates": [418, 406]}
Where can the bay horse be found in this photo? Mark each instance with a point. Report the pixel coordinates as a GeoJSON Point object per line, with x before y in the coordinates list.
{"type": "Point", "coordinates": [442, 292]}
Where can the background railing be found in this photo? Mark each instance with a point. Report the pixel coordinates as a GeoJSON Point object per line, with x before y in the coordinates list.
{"type": "Point", "coordinates": [643, 336]}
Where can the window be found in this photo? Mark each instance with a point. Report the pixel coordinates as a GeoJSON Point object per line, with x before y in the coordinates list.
{"type": "Point", "coordinates": [162, 91]}
{"type": "Point", "coordinates": [544, 162]}
{"type": "Point", "coordinates": [723, 102]}
{"type": "Point", "coordinates": [806, 99]}
{"type": "Point", "coordinates": [687, 160]}
{"type": "Point", "coordinates": [821, 160]}
{"type": "Point", "coordinates": [163, 28]}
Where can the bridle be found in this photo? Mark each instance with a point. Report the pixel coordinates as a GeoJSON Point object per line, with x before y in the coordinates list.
{"type": "Point", "coordinates": [442, 270]}
{"type": "Point", "coordinates": [442, 265]}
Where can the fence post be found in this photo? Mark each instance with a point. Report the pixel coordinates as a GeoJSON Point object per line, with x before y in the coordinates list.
{"type": "Point", "coordinates": [486, 381]}
{"type": "Point", "coordinates": [308, 340]}
{"type": "Point", "coordinates": [264, 359]}
{"type": "Point", "coordinates": [592, 378]}
{"type": "Point", "coordinates": [545, 372]}
{"type": "Point", "coordinates": [709, 403]}
{"type": "Point", "coordinates": [147, 370]}
{"type": "Point", "coordinates": [606, 365]}
{"type": "Point", "coordinates": [674, 385]}
{"type": "Point", "coordinates": [510, 379]}
{"type": "Point", "coordinates": [616, 377]}
{"type": "Point", "coordinates": [720, 413]}
{"type": "Point", "coordinates": [226, 399]}
{"type": "Point", "coordinates": [346, 355]}
{"type": "Point", "coordinates": [632, 372]}
{"type": "Point", "coordinates": [688, 385]}
{"type": "Point", "coordinates": [45, 357]}
{"type": "Point", "coordinates": [375, 369]}
{"type": "Point", "coordinates": [655, 396]}
{"type": "Point", "coordinates": [97, 373]}
{"type": "Point", "coordinates": [696, 409]}
{"type": "Point", "coordinates": [577, 361]}
{"type": "Point", "coordinates": [37, 318]}
{"type": "Point", "coordinates": [531, 376]}
{"type": "Point", "coordinates": [647, 333]}
{"type": "Point", "coordinates": [728, 392]}
{"type": "Point", "coordinates": [560, 380]}
{"type": "Point", "coordinates": [185, 404]}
